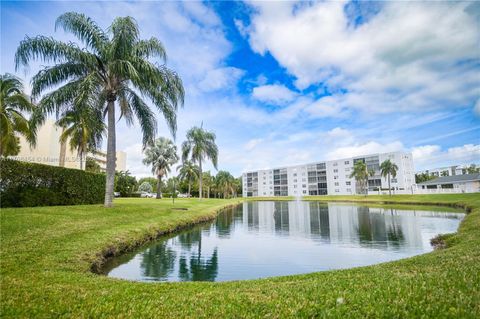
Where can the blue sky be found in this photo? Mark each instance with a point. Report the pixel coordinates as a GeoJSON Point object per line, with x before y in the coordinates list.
{"type": "Point", "coordinates": [285, 83]}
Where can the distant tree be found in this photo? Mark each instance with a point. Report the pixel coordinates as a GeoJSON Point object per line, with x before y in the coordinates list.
{"type": "Point", "coordinates": [145, 187]}
{"type": "Point", "coordinates": [188, 171]}
{"type": "Point", "coordinates": [199, 146]}
{"type": "Point", "coordinates": [207, 182]}
{"type": "Point", "coordinates": [388, 169]}
{"type": "Point", "coordinates": [225, 183]}
{"type": "Point", "coordinates": [423, 177]}
{"type": "Point", "coordinates": [151, 180]}
{"type": "Point", "coordinates": [125, 183]}
{"type": "Point", "coordinates": [161, 156]}
{"type": "Point", "coordinates": [92, 166]}
{"type": "Point", "coordinates": [14, 103]}
{"type": "Point", "coordinates": [472, 169]}
{"type": "Point", "coordinates": [444, 173]}
{"type": "Point", "coordinates": [173, 185]}
{"type": "Point", "coordinates": [361, 173]}
{"type": "Point", "coordinates": [84, 128]}
{"type": "Point", "coordinates": [238, 186]}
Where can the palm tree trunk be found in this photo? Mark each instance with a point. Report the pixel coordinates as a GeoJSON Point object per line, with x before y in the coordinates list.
{"type": "Point", "coordinates": [208, 192]}
{"type": "Point", "coordinates": [189, 186]}
{"type": "Point", "coordinates": [159, 186]}
{"type": "Point", "coordinates": [200, 180]}
{"type": "Point", "coordinates": [111, 154]}
{"type": "Point", "coordinates": [389, 188]}
{"type": "Point", "coordinates": [81, 160]}
{"type": "Point", "coordinates": [63, 151]}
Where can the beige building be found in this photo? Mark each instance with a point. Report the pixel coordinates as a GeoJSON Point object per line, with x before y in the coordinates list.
{"type": "Point", "coordinates": [48, 151]}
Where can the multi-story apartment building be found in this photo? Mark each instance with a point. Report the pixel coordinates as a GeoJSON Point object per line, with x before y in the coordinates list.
{"type": "Point", "coordinates": [448, 170]}
{"type": "Point", "coordinates": [49, 151]}
{"type": "Point", "coordinates": [328, 177]}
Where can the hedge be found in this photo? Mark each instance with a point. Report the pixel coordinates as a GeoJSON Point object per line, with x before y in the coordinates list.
{"type": "Point", "coordinates": [25, 184]}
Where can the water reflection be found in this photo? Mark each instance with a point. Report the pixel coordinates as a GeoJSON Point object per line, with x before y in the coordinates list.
{"type": "Point", "coordinates": [259, 239]}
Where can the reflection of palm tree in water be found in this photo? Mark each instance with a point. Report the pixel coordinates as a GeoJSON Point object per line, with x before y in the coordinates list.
{"type": "Point", "coordinates": [395, 234]}
{"type": "Point", "coordinates": [199, 270]}
{"type": "Point", "coordinates": [158, 261]}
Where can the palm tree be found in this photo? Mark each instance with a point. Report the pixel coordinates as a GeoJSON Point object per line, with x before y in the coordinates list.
{"type": "Point", "coordinates": [387, 168]}
{"type": "Point", "coordinates": [188, 171]}
{"type": "Point", "coordinates": [161, 155]}
{"type": "Point", "coordinates": [84, 128]}
{"type": "Point", "coordinates": [226, 183]}
{"type": "Point", "coordinates": [199, 146]}
{"type": "Point", "coordinates": [207, 180]}
{"type": "Point", "coordinates": [13, 103]}
{"type": "Point", "coordinates": [115, 66]}
{"type": "Point", "coordinates": [361, 173]}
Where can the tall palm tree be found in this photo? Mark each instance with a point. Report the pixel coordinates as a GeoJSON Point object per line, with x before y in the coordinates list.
{"type": "Point", "coordinates": [84, 128]}
{"type": "Point", "coordinates": [199, 146]}
{"type": "Point", "coordinates": [188, 171]}
{"type": "Point", "coordinates": [13, 103]}
{"type": "Point", "coordinates": [115, 69]}
{"type": "Point", "coordinates": [361, 173]}
{"type": "Point", "coordinates": [388, 169]}
{"type": "Point", "coordinates": [161, 155]}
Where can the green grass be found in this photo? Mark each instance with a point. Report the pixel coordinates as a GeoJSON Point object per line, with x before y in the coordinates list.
{"type": "Point", "coordinates": [47, 255]}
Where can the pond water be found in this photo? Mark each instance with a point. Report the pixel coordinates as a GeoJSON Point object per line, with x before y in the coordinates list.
{"type": "Point", "coordinates": [275, 238]}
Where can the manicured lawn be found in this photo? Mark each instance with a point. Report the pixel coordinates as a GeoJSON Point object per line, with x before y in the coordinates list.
{"type": "Point", "coordinates": [47, 254]}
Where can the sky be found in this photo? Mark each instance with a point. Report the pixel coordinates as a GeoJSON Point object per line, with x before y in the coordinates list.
{"type": "Point", "coordinates": [286, 83]}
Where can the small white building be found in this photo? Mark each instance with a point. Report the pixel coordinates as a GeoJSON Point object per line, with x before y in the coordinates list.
{"type": "Point", "coordinates": [467, 183]}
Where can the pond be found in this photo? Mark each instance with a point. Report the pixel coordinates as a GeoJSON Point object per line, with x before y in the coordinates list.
{"type": "Point", "coordinates": [276, 238]}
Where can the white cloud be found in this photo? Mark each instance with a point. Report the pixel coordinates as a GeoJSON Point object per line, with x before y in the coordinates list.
{"type": "Point", "coordinates": [371, 147]}
{"type": "Point", "coordinates": [220, 78]}
{"type": "Point", "coordinates": [432, 156]}
{"type": "Point", "coordinates": [273, 93]}
{"type": "Point", "coordinates": [390, 63]}
{"type": "Point", "coordinates": [251, 144]}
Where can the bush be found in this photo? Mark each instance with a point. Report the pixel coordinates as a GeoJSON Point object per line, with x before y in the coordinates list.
{"type": "Point", "coordinates": [29, 184]}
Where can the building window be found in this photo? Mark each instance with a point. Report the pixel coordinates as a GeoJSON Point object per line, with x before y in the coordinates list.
{"type": "Point", "coordinates": [348, 183]}
{"type": "Point", "coordinates": [304, 191]}
{"type": "Point", "coordinates": [304, 185]}
{"type": "Point", "coordinates": [335, 164]}
{"type": "Point", "coordinates": [335, 177]}
{"type": "Point", "coordinates": [336, 184]}
{"type": "Point", "coordinates": [347, 162]}
{"type": "Point", "coordinates": [337, 191]}
{"type": "Point", "coordinates": [335, 170]}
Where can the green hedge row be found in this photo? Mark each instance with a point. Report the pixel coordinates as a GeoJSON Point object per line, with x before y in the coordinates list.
{"type": "Point", "coordinates": [29, 184]}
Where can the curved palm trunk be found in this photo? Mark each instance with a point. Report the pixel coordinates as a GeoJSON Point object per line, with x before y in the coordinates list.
{"type": "Point", "coordinates": [159, 186]}
{"type": "Point", "coordinates": [389, 188]}
{"type": "Point", "coordinates": [208, 192]}
{"type": "Point", "coordinates": [110, 155]}
{"type": "Point", "coordinates": [200, 180]}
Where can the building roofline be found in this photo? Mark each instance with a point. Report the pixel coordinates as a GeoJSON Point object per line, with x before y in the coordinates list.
{"type": "Point", "coordinates": [325, 161]}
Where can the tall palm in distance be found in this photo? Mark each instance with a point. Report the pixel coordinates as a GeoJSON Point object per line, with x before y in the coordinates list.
{"type": "Point", "coordinates": [188, 171]}
{"type": "Point", "coordinates": [161, 156]}
{"type": "Point", "coordinates": [361, 173]}
{"type": "Point", "coordinates": [225, 183]}
{"type": "Point", "coordinates": [106, 74]}
{"type": "Point", "coordinates": [200, 146]}
{"type": "Point", "coordinates": [84, 130]}
{"type": "Point", "coordinates": [388, 169]}
{"type": "Point", "coordinates": [13, 104]}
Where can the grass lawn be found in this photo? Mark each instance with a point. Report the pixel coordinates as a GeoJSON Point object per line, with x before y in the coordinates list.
{"type": "Point", "coordinates": [47, 254]}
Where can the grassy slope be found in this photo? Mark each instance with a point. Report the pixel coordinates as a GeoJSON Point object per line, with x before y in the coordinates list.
{"type": "Point", "coordinates": [46, 254]}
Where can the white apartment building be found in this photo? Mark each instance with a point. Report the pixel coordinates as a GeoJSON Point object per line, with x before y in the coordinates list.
{"type": "Point", "coordinates": [453, 170]}
{"type": "Point", "coordinates": [328, 177]}
{"type": "Point", "coordinates": [49, 151]}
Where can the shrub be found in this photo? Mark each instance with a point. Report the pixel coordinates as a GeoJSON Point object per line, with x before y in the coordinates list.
{"type": "Point", "coordinates": [29, 184]}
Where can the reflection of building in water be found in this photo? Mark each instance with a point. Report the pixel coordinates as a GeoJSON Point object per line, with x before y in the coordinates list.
{"type": "Point", "coordinates": [336, 223]}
